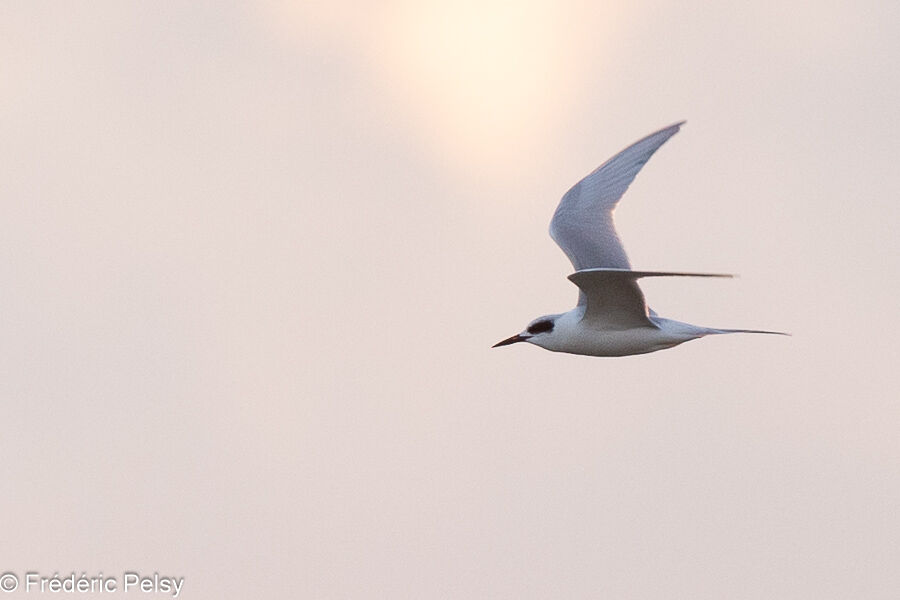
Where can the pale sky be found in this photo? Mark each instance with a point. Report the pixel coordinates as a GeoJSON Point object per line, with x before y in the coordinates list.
{"type": "Point", "coordinates": [254, 256]}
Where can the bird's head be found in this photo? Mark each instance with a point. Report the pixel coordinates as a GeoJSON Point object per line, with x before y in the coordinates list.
{"type": "Point", "coordinates": [538, 331]}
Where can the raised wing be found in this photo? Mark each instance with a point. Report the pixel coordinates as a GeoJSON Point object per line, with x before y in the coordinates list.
{"type": "Point", "coordinates": [613, 299]}
{"type": "Point", "coordinates": [583, 222]}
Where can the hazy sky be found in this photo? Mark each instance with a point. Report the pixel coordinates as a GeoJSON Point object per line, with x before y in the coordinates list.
{"type": "Point", "coordinates": [254, 256]}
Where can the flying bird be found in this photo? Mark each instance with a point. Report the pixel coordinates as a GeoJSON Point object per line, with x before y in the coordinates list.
{"type": "Point", "coordinates": [612, 317]}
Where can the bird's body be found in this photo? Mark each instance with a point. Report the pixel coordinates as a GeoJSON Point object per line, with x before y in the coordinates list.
{"type": "Point", "coordinates": [611, 318]}
{"type": "Point", "coordinates": [574, 336]}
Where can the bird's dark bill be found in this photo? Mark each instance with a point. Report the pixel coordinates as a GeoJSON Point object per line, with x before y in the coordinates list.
{"type": "Point", "coordinates": [512, 340]}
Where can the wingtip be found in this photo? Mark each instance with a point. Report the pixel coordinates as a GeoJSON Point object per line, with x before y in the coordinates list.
{"type": "Point", "coordinates": [670, 130]}
{"type": "Point", "coordinates": [639, 274]}
{"type": "Point", "coordinates": [763, 331]}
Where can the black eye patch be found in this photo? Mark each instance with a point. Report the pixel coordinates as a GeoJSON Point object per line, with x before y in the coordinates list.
{"type": "Point", "coordinates": [540, 327]}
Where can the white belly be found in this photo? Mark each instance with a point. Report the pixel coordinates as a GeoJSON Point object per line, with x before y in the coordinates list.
{"type": "Point", "coordinates": [617, 343]}
{"type": "Point", "coordinates": [573, 337]}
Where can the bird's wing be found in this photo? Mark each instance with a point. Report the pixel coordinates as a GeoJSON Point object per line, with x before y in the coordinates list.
{"type": "Point", "coordinates": [613, 299]}
{"type": "Point", "coordinates": [583, 222]}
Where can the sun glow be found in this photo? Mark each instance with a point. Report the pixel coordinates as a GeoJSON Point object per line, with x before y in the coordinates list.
{"type": "Point", "coordinates": [488, 80]}
{"type": "Point", "coordinates": [485, 83]}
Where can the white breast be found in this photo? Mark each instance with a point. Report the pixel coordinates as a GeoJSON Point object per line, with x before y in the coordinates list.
{"type": "Point", "coordinates": [572, 335]}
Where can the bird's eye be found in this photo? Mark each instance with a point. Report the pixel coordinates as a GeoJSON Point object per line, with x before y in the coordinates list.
{"type": "Point", "coordinates": [540, 327]}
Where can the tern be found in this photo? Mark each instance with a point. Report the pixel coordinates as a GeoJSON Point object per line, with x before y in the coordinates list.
{"type": "Point", "coordinates": [612, 317]}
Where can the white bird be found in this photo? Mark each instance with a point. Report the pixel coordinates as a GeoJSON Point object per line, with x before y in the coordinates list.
{"type": "Point", "coordinates": [611, 318]}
